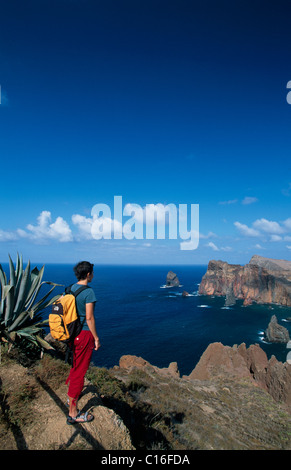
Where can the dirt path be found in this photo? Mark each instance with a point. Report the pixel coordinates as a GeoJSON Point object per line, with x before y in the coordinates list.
{"type": "Point", "coordinates": [47, 428]}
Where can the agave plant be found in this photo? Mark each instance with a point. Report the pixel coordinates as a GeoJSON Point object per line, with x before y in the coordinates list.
{"type": "Point", "coordinates": [20, 309]}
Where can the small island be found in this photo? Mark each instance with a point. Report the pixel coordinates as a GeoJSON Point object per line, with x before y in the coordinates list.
{"type": "Point", "coordinates": [172, 280]}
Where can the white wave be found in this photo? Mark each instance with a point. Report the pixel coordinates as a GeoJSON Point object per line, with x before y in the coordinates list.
{"type": "Point", "coordinates": [180, 294]}
{"type": "Point", "coordinates": [204, 306]}
{"type": "Point", "coordinates": [265, 341]}
{"type": "Point", "coordinates": [165, 287]}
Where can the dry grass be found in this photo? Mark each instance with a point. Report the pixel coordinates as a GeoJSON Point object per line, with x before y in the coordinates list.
{"type": "Point", "coordinates": [220, 414]}
{"type": "Point", "coordinates": [51, 371]}
{"type": "Point", "coordinates": [161, 412]}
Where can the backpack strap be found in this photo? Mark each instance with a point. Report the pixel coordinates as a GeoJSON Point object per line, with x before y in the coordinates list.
{"type": "Point", "coordinates": [77, 292]}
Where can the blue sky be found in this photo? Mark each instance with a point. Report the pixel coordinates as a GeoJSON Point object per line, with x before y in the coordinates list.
{"type": "Point", "coordinates": [180, 102]}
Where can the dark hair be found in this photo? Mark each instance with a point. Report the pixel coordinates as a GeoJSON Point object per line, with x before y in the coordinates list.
{"type": "Point", "coordinates": [82, 269]}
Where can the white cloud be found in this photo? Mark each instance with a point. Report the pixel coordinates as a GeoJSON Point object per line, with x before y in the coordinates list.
{"type": "Point", "coordinates": [275, 238]}
{"type": "Point", "coordinates": [44, 230]}
{"type": "Point", "coordinates": [213, 246]}
{"type": "Point", "coordinates": [268, 226]}
{"type": "Point", "coordinates": [209, 235]}
{"type": "Point", "coordinates": [231, 201]}
{"type": "Point", "coordinates": [259, 247]}
{"type": "Point", "coordinates": [249, 200]}
{"type": "Point", "coordinates": [84, 225]}
{"type": "Point", "coordinates": [247, 231]}
{"type": "Point", "coordinates": [7, 236]}
{"type": "Point", "coordinates": [288, 246]}
{"type": "Point", "coordinates": [287, 223]}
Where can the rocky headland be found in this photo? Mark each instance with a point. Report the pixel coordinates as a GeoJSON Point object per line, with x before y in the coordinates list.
{"type": "Point", "coordinates": [262, 280]}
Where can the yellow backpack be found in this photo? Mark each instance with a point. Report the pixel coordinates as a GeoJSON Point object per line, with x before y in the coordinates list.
{"type": "Point", "coordinates": [64, 321]}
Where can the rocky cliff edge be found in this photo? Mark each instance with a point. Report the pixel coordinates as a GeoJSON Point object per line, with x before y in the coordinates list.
{"type": "Point", "coordinates": [262, 280]}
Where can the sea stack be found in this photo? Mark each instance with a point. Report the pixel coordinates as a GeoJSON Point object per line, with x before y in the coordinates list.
{"type": "Point", "coordinates": [172, 279]}
{"type": "Point", "coordinates": [276, 333]}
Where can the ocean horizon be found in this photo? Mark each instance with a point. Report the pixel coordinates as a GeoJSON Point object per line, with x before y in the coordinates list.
{"type": "Point", "coordinates": [136, 314]}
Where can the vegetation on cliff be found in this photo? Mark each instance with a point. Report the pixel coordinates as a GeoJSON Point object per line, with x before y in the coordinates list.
{"type": "Point", "coordinates": [137, 408]}
{"type": "Point", "coordinates": [21, 308]}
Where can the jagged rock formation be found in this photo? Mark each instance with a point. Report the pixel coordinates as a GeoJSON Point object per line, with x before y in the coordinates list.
{"type": "Point", "coordinates": [224, 361]}
{"type": "Point", "coordinates": [276, 333]}
{"type": "Point", "coordinates": [262, 280]}
{"type": "Point", "coordinates": [130, 362]}
{"type": "Point", "coordinates": [234, 399]}
{"type": "Point", "coordinates": [172, 279]}
{"type": "Point", "coordinates": [252, 363]}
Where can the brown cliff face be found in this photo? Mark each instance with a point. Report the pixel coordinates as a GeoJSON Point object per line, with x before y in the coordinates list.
{"type": "Point", "coordinates": [250, 363]}
{"type": "Point", "coordinates": [262, 280]}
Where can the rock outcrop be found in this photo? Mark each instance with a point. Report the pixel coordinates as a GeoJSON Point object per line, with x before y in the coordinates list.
{"type": "Point", "coordinates": [236, 362]}
{"type": "Point", "coordinates": [249, 363]}
{"type": "Point", "coordinates": [276, 333]}
{"type": "Point", "coordinates": [227, 411]}
{"type": "Point", "coordinates": [262, 280]}
{"type": "Point", "coordinates": [172, 279]}
{"type": "Point", "coordinates": [130, 362]}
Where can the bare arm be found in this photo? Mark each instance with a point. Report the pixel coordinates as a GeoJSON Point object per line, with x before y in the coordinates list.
{"type": "Point", "coordinates": [91, 323]}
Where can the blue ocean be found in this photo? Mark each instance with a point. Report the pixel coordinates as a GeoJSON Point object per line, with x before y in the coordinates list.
{"type": "Point", "coordinates": [136, 314]}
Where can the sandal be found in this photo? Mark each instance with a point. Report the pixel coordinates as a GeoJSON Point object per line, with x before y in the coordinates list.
{"type": "Point", "coordinates": [84, 417]}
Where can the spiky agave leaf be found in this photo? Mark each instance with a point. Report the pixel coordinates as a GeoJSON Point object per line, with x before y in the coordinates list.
{"type": "Point", "coordinates": [23, 289]}
{"type": "Point", "coordinates": [36, 278]}
{"type": "Point", "coordinates": [44, 343]}
{"type": "Point", "coordinates": [9, 305]}
{"type": "Point", "coordinates": [3, 282]}
{"type": "Point", "coordinates": [12, 281]}
{"type": "Point", "coordinates": [19, 310]}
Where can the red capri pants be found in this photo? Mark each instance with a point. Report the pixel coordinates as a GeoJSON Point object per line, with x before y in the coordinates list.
{"type": "Point", "coordinates": [83, 349]}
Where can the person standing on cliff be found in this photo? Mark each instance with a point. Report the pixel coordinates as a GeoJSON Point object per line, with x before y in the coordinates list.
{"type": "Point", "coordinates": [84, 343]}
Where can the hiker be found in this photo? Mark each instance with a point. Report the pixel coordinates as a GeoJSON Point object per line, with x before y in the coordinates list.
{"type": "Point", "coordinates": [84, 343]}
